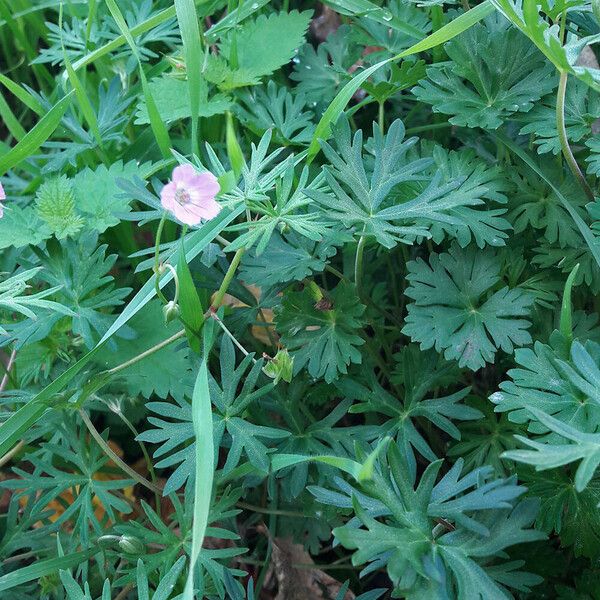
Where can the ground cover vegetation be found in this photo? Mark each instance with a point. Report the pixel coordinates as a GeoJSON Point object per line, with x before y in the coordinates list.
{"type": "Point", "coordinates": [299, 299]}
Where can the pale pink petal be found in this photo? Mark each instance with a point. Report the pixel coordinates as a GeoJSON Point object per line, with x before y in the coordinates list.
{"type": "Point", "coordinates": [167, 196]}
{"type": "Point", "coordinates": [2, 194]}
{"type": "Point", "coordinates": [184, 176]}
{"type": "Point", "coordinates": [207, 209]}
{"type": "Point", "coordinates": [186, 214]}
{"type": "Point", "coordinates": [208, 184]}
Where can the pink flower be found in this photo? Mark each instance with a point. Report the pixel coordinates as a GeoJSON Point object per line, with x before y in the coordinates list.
{"type": "Point", "coordinates": [190, 196]}
{"type": "Point", "coordinates": [2, 197]}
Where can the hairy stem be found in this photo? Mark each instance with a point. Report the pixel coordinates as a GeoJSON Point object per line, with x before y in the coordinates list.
{"type": "Point", "coordinates": [562, 136]}
{"type": "Point", "coordinates": [227, 279]}
{"type": "Point", "coordinates": [157, 258]}
{"type": "Point", "coordinates": [146, 353]}
{"type": "Point", "coordinates": [358, 264]}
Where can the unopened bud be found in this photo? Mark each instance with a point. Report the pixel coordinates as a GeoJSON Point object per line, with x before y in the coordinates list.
{"type": "Point", "coordinates": [170, 311]}
{"type": "Point", "coordinates": [280, 367]}
{"type": "Point", "coordinates": [131, 545]}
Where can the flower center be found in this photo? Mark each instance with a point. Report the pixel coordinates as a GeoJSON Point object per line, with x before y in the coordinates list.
{"type": "Point", "coordinates": [182, 196]}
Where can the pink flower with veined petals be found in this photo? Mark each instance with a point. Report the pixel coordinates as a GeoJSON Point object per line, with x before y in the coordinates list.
{"type": "Point", "coordinates": [190, 195]}
{"type": "Point", "coordinates": [2, 197]}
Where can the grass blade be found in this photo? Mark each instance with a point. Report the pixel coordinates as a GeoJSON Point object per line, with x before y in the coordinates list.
{"type": "Point", "coordinates": [192, 51]}
{"type": "Point", "coordinates": [156, 123]}
{"type": "Point", "coordinates": [43, 129]}
{"type": "Point", "coordinates": [205, 458]}
{"type": "Point", "coordinates": [442, 35]}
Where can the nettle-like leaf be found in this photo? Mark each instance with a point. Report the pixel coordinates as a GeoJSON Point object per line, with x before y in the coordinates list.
{"type": "Point", "coordinates": [172, 98]}
{"type": "Point", "coordinates": [55, 203]}
{"type": "Point", "coordinates": [168, 371]}
{"type": "Point", "coordinates": [456, 310]}
{"type": "Point", "coordinates": [286, 258]}
{"type": "Point", "coordinates": [322, 71]}
{"type": "Point", "coordinates": [550, 381]}
{"type": "Point", "coordinates": [98, 198]}
{"type": "Point", "coordinates": [278, 108]}
{"type": "Point", "coordinates": [494, 71]}
{"type": "Point", "coordinates": [582, 108]}
{"type": "Point", "coordinates": [321, 331]}
{"type": "Point", "coordinates": [437, 540]}
{"type": "Point", "coordinates": [533, 203]}
{"type": "Point", "coordinates": [231, 429]}
{"type": "Point", "coordinates": [256, 48]}
{"type": "Point", "coordinates": [393, 196]}
{"type": "Point", "coordinates": [21, 226]}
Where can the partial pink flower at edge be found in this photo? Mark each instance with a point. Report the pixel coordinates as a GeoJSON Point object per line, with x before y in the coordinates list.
{"type": "Point", "coordinates": [2, 197]}
{"type": "Point", "coordinates": [190, 195]}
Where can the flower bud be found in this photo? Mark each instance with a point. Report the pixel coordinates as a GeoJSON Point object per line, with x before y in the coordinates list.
{"type": "Point", "coordinates": [280, 367]}
{"type": "Point", "coordinates": [170, 311]}
{"type": "Point", "coordinates": [131, 545]}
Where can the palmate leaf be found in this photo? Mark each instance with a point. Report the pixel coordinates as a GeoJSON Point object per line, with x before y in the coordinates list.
{"type": "Point", "coordinates": [402, 415]}
{"type": "Point", "coordinates": [548, 380]}
{"type": "Point", "coordinates": [175, 433]}
{"type": "Point", "coordinates": [456, 311]}
{"type": "Point", "coordinates": [69, 463]}
{"type": "Point", "coordinates": [571, 514]}
{"type": "Point", "coordinates": [256, 48]}
{"type": "Point", "coordinates": [322, 332]}
{"type": "Point", "coordinates": [276, 107]}
{"type": "Point", "coordinates": [494, 72]}
{"type": "Point", "coordinates": [480, 184]}
{"type": "Point", "coordinates": [437, 540]}
{"type": "Point", "coordinates": [21, 226]}
{"type": "Point", "coordinates": [289, 210]}
{"type": "Point", "coordinates": [286, 258]}
{"type": "Point", "coordinates": [533, 203]}
{"type": "Point", "coordinates": [322, 71]}
{"type": "Point", "coordinates": [397, 196]}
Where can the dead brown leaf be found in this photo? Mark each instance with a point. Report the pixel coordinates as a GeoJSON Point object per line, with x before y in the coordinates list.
{"type": "Point", "coordinates": [296, 579]}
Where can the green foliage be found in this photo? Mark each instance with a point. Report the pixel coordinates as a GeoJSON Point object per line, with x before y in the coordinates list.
{"type": "Point", "coordinates": [494, 72]}
{"type": "Point", "coordinates": [375, 348]}
{"type": "Point", "coordinates": [321, 330]}
{"type": "Point", "coordinates": [456, 310]}
{"type": "Point", "coordinates": [256, 49]}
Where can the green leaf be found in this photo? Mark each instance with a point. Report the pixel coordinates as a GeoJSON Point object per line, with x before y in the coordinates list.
{"type": "Point", "coordinates": [21, 226]}
{"type": "Point", "coordinates": [192, 313]}
{"type": "Point", "coordinates": [42, 130]}
{"type": "Point", "coordinates": [192, 50]}
{"type": "Point", "coordinates": [494, 72]}
{"type": "Point", "coordinates": [456, 311]}
{"type": "Point", "coordinates": [322, 333]}
{"type": "Point", "coordinates": [43, 568]}
{"type": "Point", "coordinates": [205, 467]}
{"type": "Point", "coordinates": [172, 99]}
{"type": "Point", "coordinates": [445, 33]}
{"type": "Point", "coordinates": [262, 46]}
{"type": "Point", "coordinates": [166, 372]}
{"type": "Point", "coordinates": [55, 203]}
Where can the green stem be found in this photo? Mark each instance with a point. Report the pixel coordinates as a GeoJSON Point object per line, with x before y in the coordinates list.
{"type": "Point", "coordinates": [381, 117]}
{"type": "Point", "coordinates": [227, 279]}
{"type": "Point", "coordinates": [562, 136]}
{"type": "Point", "coordinates": [230, 335]}
{"type": "Point", "coordinates": [358, 264]}
{"type": "Point", "coordinates": [146, 353]}
{"type": "Point", "coordinates": [111, 454]}
{"type": "Point", "coordinates": [157, 258]}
